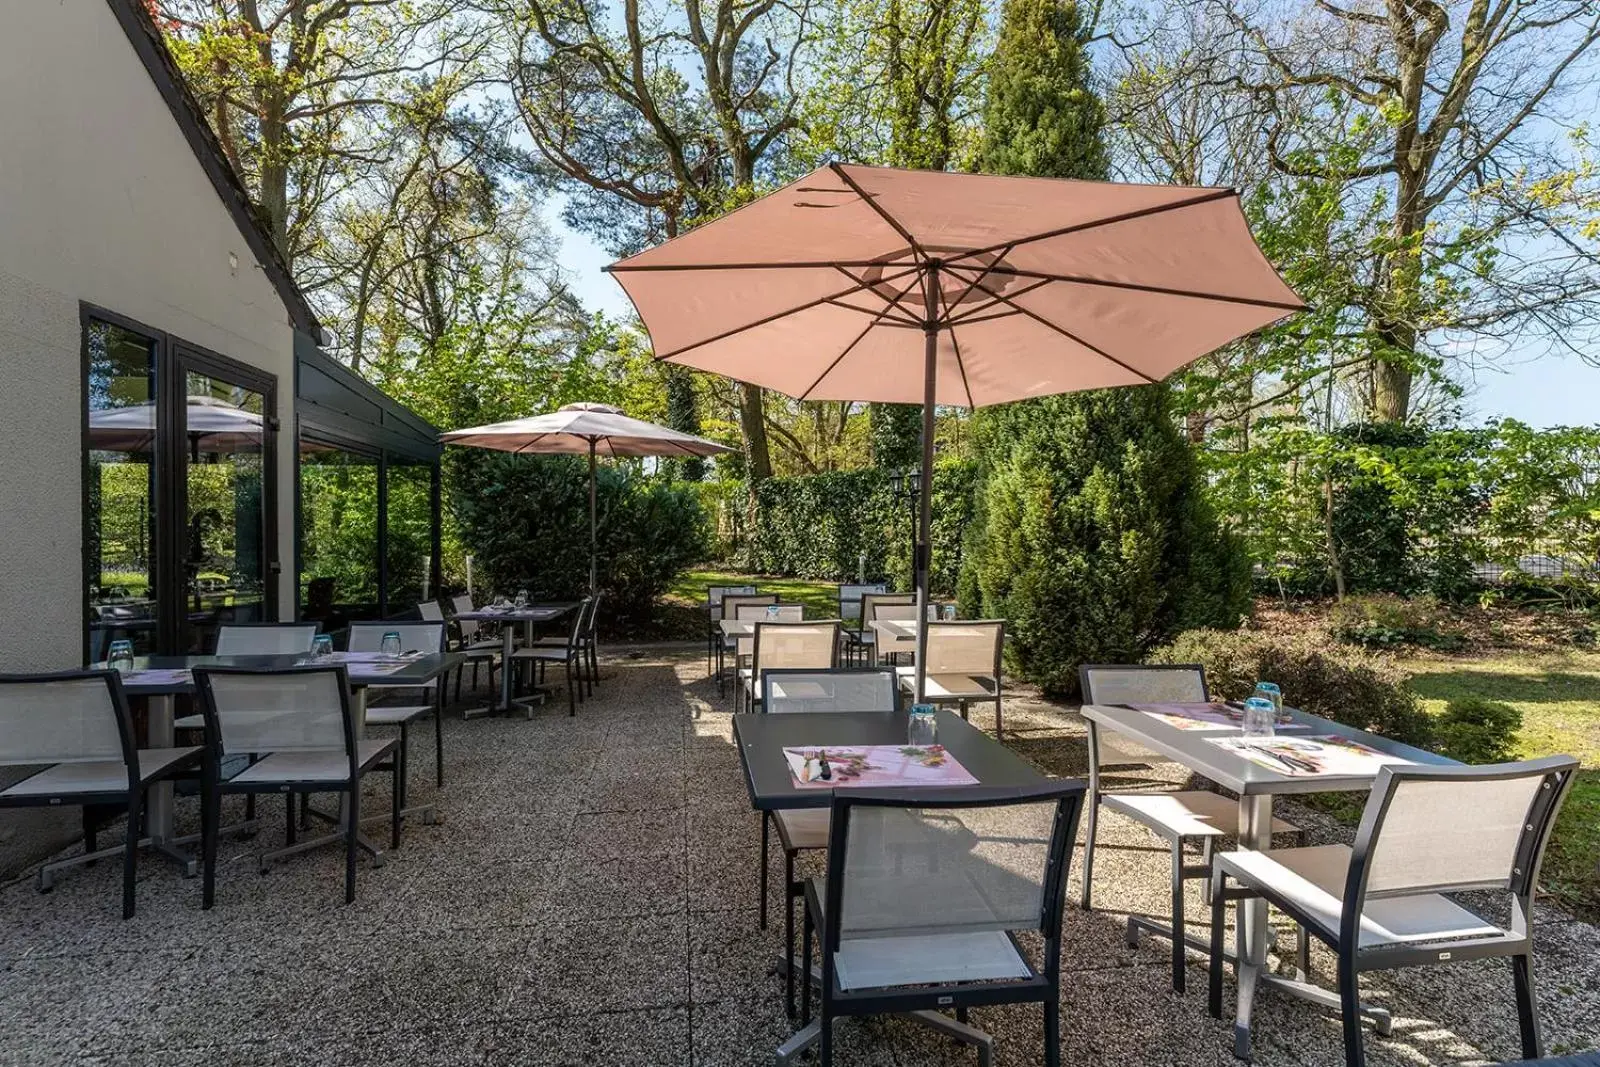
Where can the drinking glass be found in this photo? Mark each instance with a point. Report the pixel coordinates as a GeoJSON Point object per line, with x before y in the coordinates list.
{"type": "Point", "coordinates": [1270, 691]}
{"type": "Point", "coordinates": [390, 645]}
{"type": "Point", "coordinates": [522, 599]}
{"type": "Point", "coordinates": [921, 727]}
{"type": "Point", "coordinates": [948, 612]}
{"type": "Point", "coordinates": [321, 646]}
{"type": "Point", "coordinates": [120, 658]}
{"type": "Point", "coordinates": [1260, 717]}
{"type": "Point", "coordinates": [773, 613]}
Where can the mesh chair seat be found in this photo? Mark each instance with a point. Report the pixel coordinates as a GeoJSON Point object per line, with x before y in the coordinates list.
{"type": "Point", "coordinates": [949, 686]}
{"type": "Point", "coordinates": [1191, 813]}
{"type": "Point", "coordinates": [190, 722]}
{"type": "Point", "coordinates": [802, 828]}
{"type": "Point", "coordinates": [1313, 879]}
{"type": "Point", "coordinates": [97, 776]}
{"type": "Point", "coordinates": [320, 765]}
{"type": "Point", "coordinates": [537, 651]}
{"type": "Point", "coordinates": [396, 714]}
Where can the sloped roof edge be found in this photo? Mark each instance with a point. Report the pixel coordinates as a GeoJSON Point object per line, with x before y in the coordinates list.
{"type": "Point", "coordinates": [163, 70]}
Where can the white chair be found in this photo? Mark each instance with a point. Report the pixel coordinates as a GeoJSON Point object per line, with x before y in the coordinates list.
{"type": "Point", "coordinates": [256, 639]}
{"type": "Point", "coordinates": [76, 729]}
{"type": "Point", "coordinates": [714, 598]}
{"type": "Point", "coordinates": [876, 606]}
{"type": "Point", "coordinates": [1426, 832]}
{"type": "Point", "coordinates": [301, 722]}
{"type": "Point", "coordinates": [776, 645]}
{"type": "Point", "coordinates": [850, 613]}
{"type": "Point", "coordinates": [753, 613]}
{"type": "Point", "coordinates": [789, 692]}
{"type": "Point", "coordinates": [414, 637]}
{"type": "Point", "coordinates": [478, 649]}
{"type": "Point", "coordinates": [925, 893]}
{"type": "Point", "coordinates": [1190, 815]}
{"type": "Point", "coordinates": [730, 610]}
{"type": "Point", "coordinates": [963, 666]}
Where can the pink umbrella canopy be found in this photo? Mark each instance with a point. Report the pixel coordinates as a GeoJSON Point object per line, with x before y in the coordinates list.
{"type": "Point", "coordinates": [585, 429]}
{"type": "Point", "coordinates": [874, 284]}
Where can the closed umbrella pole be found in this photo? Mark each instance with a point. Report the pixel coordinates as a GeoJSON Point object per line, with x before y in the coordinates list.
{"type": "Point", "coordinates": [924, 560]}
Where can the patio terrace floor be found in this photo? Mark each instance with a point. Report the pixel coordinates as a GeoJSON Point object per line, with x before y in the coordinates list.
{"type": "Point", "coordinates": [590, 899]}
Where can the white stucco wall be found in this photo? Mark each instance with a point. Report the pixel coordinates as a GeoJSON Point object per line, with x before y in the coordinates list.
{"type": "Point", "coordinates": [101, 200]}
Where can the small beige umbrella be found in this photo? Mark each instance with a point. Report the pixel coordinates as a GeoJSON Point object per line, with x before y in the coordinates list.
{"type": "Point", "coordinates": [868, 283]}
{"type": "Point", "coordinates": [579, 429]}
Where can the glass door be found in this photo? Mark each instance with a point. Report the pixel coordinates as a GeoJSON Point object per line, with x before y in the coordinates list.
{"type": "Point", "coordinates": [226, 560]}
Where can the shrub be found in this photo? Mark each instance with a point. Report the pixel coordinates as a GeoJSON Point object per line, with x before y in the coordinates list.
{"type": "Point", "coordinates": [526, 520]}
{"type": "Point", "coordinates": [1093, 538]}
{"type": "Point", "coordinates": [1385, 621]}
{"type": "Point", "coordinates": [1346, 685]}
{"type": "Point", "coordinates": [1477, 730]}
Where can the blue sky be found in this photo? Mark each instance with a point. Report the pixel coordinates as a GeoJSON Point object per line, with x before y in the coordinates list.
{"type": "Point", "coordinates": [1548, 391]}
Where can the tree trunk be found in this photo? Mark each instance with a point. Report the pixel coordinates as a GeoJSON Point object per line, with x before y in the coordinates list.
{"type": "Point", "coordinates": [752, 420]}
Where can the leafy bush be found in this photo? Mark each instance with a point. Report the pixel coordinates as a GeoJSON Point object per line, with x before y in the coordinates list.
{"type": "Point", "coordinates": [819, 526]}
{"type": "Point", "coordinates": [1343, 684]}
{"type": "Point", "coordinates": [1093, 538]}
{"type": "Point", "coordinates": [526, 520]}
{"type": "Point", "coordinates": [1478, 730]}
{"type": "Point", "coordinates": [1383, 620]}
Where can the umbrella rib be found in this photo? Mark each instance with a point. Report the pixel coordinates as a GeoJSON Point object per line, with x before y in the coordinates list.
{"type": "Point", "coordinates": [818, 264]}
{"type": "Point", "coordinates": [851, 346]}
{"type": "Point", "coordinates": [960, 364]}
{"type": "Point", "coordinates": [1069, 335]}
{"type": "Point", "coordinates": [878, 209]}
{"type": "Point", "coordinates": [982, 275]}
{"type": "Point", "coordinates": [890, 305]}
{"type": "Point", "coordinates": [976, 314]}
{"type": "Point", "coordinates": [1195, 294]}
{"type": "Point", "coordinates": [807, 306]}
{"type": "Point", "coordinates": [1127, 216]}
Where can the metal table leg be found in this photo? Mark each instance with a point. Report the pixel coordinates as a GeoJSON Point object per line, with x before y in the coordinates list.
{"type": "Point", "coordinates": [1255, 833]}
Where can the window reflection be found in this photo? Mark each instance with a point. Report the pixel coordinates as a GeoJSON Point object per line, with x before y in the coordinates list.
{"type": "Point", "coordinates": [339, 535]}
{"type": "Point", "coordinates": [121, 490]}
{"type": "Point", "coordinates": [410, 528]}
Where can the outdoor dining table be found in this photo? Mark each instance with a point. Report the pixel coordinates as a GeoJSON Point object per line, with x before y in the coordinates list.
{"type": "Point", "coordinates": [160, 679]}
{"type": "Point", "coordinates": [529, 617]}
{"type": "Point", "coordinates": [761, 739]}
{"type": "Point", "coordinates": [1256, 785]}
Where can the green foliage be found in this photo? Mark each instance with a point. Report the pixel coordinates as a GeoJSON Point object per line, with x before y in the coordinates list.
{"type": "Point", "coordinates": [820, 526]}
{"type": "Point", "coordinates": [683, 414]}
{"type": "Point", "coordinates": [1477, 730]}
{"type": "Point", "coordinates": [1041, 117]}
{"type": "Point", "coordinates": [1339, 683]}
{"type": "Point", "coordinates": [896, 436]}
{"type": "Point", "coordinates": [526, 521]}
{"type": "Point", "coordinates": [1093, 538]}
{"type": "Point", "coordinates": [1386, 621]}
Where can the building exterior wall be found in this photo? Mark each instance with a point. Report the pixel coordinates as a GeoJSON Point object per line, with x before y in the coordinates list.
{"type": "Point", "coordinates": [101, 201]}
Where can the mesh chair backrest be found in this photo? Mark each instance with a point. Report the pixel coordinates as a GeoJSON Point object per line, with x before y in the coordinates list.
{"type": "Point", "coordinates": [65, 719]}
{"type": "Point", "coordinates": [731, 602]}
{"type": "Point", "coordinates": [430, 611]}
{"type": "Point", "coordinates": [795, 644]}
{"type": "Point", "coordinates": [875, 606]}
{"type": "Point", "coordinates": [1462, 831]}
{"type": "Point", "coordinates": [277, 711]}
{"type": "Point", "coordinates": [964, 647]}
{"type": "Point", "coordinates": [594, 614]}
{"type": "Point", "coordinates": [761, 612]}
{"type": "Point", "coordinates": [850, 599]}
{"type": "Point", "coordinates": [942, 870]}
{"type": "Point", "coordinates": [414, 636]}
{"type": "Point", "coordinates": [468, 628]}
{"type": "Point", "coordinates": [1133, 684]}
{"type": "Point", "coordinates": [836, 690]}
{"type": "Point", "coordinates": [274, 640]}
{"type": "Point", "coordinates": [716, 593]}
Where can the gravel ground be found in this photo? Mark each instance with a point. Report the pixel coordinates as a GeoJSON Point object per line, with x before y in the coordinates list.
{"type": "Point", "coordinates": [590, 899]}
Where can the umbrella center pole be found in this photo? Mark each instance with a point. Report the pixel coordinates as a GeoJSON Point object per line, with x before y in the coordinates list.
{"type": "Point", "coordinates": [924, 553]}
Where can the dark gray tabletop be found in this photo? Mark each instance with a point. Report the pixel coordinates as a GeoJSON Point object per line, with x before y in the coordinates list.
{"type": "Point", "coordinates": [761, 739]}
{"type": "Point", "coordinates": [417, 670]}
{"type": "Point", "coordinates": [1246, 777]}
{"type": "Point", "coordinates": [531, 613]}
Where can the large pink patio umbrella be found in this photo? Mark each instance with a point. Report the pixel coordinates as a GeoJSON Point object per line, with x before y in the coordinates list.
{"type": "Point", "coordinates": [873, 284]}
{"type": "Point", "coordinates": [592, 429]}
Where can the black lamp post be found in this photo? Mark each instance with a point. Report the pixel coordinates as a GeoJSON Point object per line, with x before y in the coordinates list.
{"type": "Point", "coordinates": [908, 485]}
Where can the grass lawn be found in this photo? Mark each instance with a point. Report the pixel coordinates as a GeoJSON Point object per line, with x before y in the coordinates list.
{"type": "Point", "coordinates": [820, 598]}
{"type": "Point", "coordinates": [1559, 697]}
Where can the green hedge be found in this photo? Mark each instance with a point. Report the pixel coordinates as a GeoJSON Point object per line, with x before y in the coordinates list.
{"type": "Point", "coordinates": [526, 520]}
{"type": "Point", "coordinates": [819, 526]}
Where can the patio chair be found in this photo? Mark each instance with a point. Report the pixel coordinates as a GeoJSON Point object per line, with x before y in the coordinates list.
{"type": "Point", "coordinates": [477, 649]}
{"type": "Point", "coordinates": [797, 691]}
{"type": "Point", "coordinates": [850, 613]}
{"type": "Point", "coordinates": [1181, 817]}
{"type": "Point", "coordinates": [414, 636]}
{"type": "Point", "coordinates": [963, 666]}
{"type": "Point", "coordinates": [569, 653]}
{"type": "Point", "coordinates": [730, 610]}
{"type": "Point", "coordinates": [256, 639]}
{"type": "Point", "coordinates": [301, 722]}
{"type": "Point", "coordinates": [875, 606]}
{"type": "Point", "coordinates": [787, 643]}
{"type": "Point", "coordinates": [76, 728]}
{"type": "Point", "coordinates": [1426, 832]}
{"type": "Point", "coordinates": [588, 647]}
{"type": "Point", "coordinates": [925, 894]}
{"type": "Point", "coordinates": [714, 598]}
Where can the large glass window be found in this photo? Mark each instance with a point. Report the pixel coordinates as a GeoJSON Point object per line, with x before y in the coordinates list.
{"type": "Point", "coordinates": [410, 535]}
{"type": "Point", "coordinates": [338, 534]}
{"type": "Point", "coordinates": [121, 490]}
